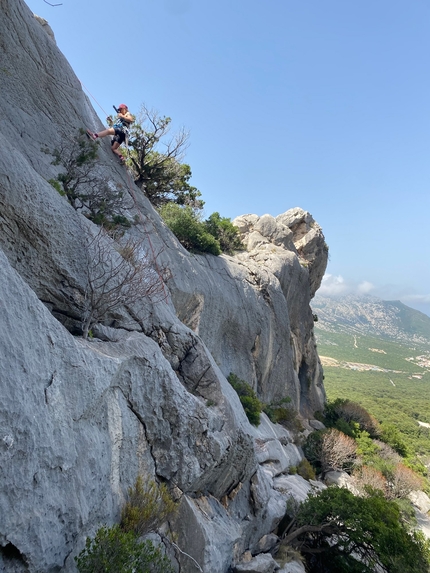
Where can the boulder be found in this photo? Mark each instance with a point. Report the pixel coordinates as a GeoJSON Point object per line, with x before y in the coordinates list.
{"type": "Point", "coordinates": [263, 563]}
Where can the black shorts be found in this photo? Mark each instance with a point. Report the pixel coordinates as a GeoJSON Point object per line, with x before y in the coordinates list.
{"type": "Point", "coordinates": [119, 136]}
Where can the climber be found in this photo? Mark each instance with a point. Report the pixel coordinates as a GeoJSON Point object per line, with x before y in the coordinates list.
{"type": "Point", "coordinates": [118, 128]}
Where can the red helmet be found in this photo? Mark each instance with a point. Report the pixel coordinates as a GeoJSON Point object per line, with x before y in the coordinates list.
{"type": "Point", "coordinates": [122, 105]}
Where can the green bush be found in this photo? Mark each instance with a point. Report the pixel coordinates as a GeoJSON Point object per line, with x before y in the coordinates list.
{"type": "Point", "coordinates": [282, 412]}
{"type": "Point", "coordinates": [391, 436]}
{"type": "Point", "coordinates": [190, 231]}
{"type": "Point", "coordinates": [225, 232]}
{"type": "Point", "coordinates": [147, 507]}
{"type": "Point", "coordinates": [342, 533]}
{"type": "Point", "coordinates": [251, 404]}
{"type": "Point", "coordinates": [278, 412]}
{"type": "Point", "coordinates": [306, 470]}
{"type": "Point", "coordinates": [312, 448]}
{"type": "Point", "coordinates": [116, 551]}
{"type": "Point", "coordinates": [349, 417]}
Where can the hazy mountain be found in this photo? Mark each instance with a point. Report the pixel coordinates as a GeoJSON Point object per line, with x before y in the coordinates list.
{"type": "Point", "coordinates": [368, 315]}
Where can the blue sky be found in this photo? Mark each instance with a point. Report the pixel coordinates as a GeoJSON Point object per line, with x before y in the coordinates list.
{"type": "Point", "coordinates": [323, 105]}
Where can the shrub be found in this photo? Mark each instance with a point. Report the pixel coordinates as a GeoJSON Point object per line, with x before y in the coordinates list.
{"type": "Point", "coordinates": [312, 448]}
{"type": "Point", "coordinates": [115, 551]}
{"type": "Point", "coordinates": [190, 231]}
{"type": "Point", "coordinates": [100, 200]}
{"type": "Point", "coordinates": [345, 413]}
{"type": "Point", "coordinates": [330, 450]}
{"type": "Point", "coordinates": [278, 412]}
{"type": "Point", "coordinates": [248, 398]}
{"type": "Point", "coordinates": [342, 533]}
{"type": "Point", "coordinates": [147, 507]}
{"type": "Point", "coordinates": [391, 436]}
{"type": "Point", "coordinates": [338, 451]}
{"type": "Point", "coordinates": [368, 479]}
{"type": "Point", "coordinates": [155, 159]}
{"type": "Point", "coordinates": [306, 470]}
{"type": "Point", "coordinates": [401, 481]}
{"type": "Point", "coordinates": [366, 447]}
{"type": "Point", "coordinates": [115, 279]}
{"type": "Point", "coordinates": [225, 232]}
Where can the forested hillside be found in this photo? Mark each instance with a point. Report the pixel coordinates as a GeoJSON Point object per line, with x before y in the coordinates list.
{"type": "Point", "coordinates": [378, 354]}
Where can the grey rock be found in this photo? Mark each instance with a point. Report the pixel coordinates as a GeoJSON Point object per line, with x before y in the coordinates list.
{"type": "Point", "coordinates": [293, 567]}
{"type": "Point", "coordinates": [274, 447]}
{"type": "Point", "coordinates": [263, 563]}
{"type": "Point", "coordinates": [207, 534]}
{"type": "Point", "coordinates": [341, 479]}
{"type": "Point", "coordinates": [421, 500]}
{"type": "Point", "coordinates": [316, 425]}
{"type": "Point", "coordinates": [45, 26]}
{"type": "Point", "coordinates": [294, 486]}
{"type": "Point", "coordinates": [108, 412]}
{"type": "Point", "coordinates": [266, 543]}
{"type": "Point", "coordinates": [81, 419]}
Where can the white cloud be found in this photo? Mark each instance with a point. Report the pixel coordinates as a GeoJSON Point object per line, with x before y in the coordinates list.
{"type": "Point", "coordinates": [336, 286]}
{"type": "Point", "coordinates": [333, 286]}
{"type": "Point", "coordinates": [365, 287]}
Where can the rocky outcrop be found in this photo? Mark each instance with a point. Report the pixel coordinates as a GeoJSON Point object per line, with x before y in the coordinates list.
{"type": "Point", "coordinates": [81, 419]}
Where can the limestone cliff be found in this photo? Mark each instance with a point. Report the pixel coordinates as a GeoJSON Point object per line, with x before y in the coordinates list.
{"type": "Point", "coordinates": [80, 419]}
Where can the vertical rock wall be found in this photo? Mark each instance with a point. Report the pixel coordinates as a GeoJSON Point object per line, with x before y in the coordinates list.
{"type": "Point", "coordinates": [80, 420]}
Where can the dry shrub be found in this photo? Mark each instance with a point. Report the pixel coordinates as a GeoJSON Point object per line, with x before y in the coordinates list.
{"type": "Point", "coordinates": [402, 481]}
{"type": "Point", "coordinates": [367, 478]}
{"type": "Point", "coordinates": [387, 453]}
{"type": "Point", "coordinates": [338, 451]}
{"type": "Point", "coordinates": [148, 506]}
{"type": "Point", "coordinates": [119, 274]}
{"type": "Point", "coordinates": [353, 412]}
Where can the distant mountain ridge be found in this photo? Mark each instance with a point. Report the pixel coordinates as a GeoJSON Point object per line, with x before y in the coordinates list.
{"type": "Point", "coordinates": [368, 315]}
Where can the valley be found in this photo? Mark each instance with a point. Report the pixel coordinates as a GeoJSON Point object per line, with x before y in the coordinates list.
{"type": "Point", "coordinates": [378, 354]}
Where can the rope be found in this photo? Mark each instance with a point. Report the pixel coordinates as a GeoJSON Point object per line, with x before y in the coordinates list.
{"type": "Point", "coordinates": [90, 94]}
{"type": "Point", "coordinates": [132, 193]}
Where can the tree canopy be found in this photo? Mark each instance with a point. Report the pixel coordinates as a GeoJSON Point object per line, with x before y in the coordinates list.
{"type": "Point", "coordinates": [342, 533]}
{"type": "Point", "coordinates": [155, 157]}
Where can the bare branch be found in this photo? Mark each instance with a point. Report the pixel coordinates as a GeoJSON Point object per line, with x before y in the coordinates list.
{"type": "Point", "coordinates": [118, 275]}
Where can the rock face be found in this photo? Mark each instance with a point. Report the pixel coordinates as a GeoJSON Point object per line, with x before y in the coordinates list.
{"type": "Point", "coordinates": [81, 419]}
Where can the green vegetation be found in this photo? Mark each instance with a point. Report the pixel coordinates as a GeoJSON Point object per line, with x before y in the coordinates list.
{"type": "Point", "coordinates": [100, 201]}
{"type": "Point", "coordinates": [395, 389]}
{"type": "Point", "coordinates": [280, 412]}
{"type": "Point", "coordinates": [396, 401]}
{"type": "Point", "coordinates": [215, 235]}
{"type": "Point", "coordinates": [120, 548]}
{"type": "Point", "coordinates": [155, 157]}
{"type": "Point", "coordinates": [365, 349]}
{"type": "Point", "coordinates": [116, 551]}
{"type": "Point", "coordinates": [356, 443]}
{"type": "Point", "coordinates": [185, 223]}
{"type": "Point", "coordinates": [338, 532]}
{"type": "Point", "coordinates": [306, 470]}
{"type": "Point", "coordinates": [248, 398]}
{"type": "Point", "coordinates": [224, 232]}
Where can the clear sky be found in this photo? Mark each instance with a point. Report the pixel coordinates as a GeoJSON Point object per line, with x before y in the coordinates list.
{"type": "Point", "coordinates": [319, 104]}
